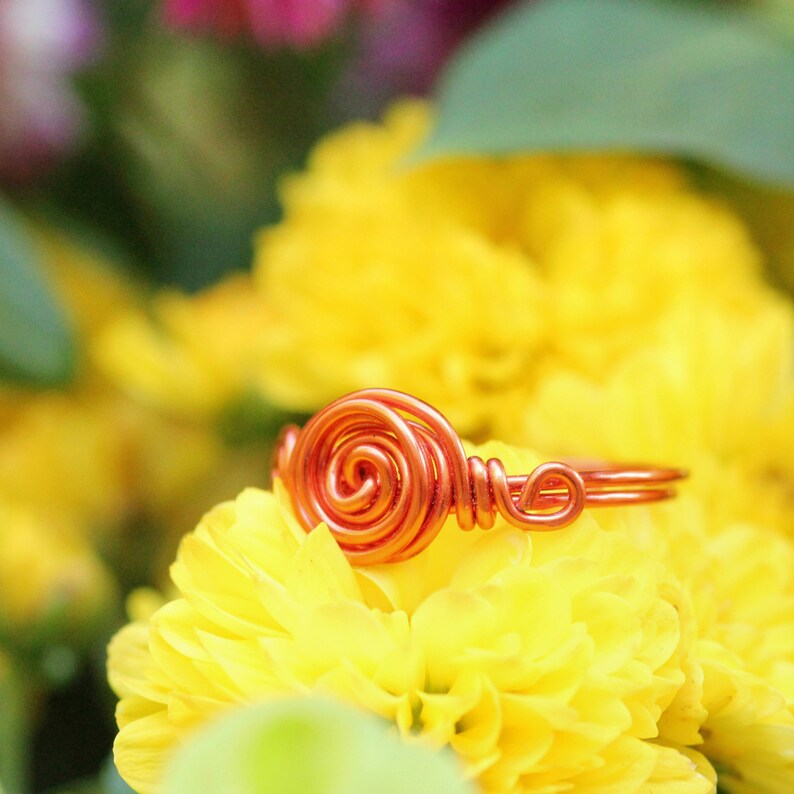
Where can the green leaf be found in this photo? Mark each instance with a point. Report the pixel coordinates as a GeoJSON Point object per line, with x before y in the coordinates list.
{"type": "Point", "coordinates": [308, 746]}
{"type": "Point", "coordinates": [36, 346]}
{"type": "Point", "coordinates": [711, 82]}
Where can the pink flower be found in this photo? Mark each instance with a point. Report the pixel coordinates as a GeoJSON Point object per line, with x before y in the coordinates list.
{"type": "Point", "coordinates": [412, 39]}
{"type": "Point", "coordinates": [41, 43]}
{"type": "Point", "coordinates": [273, 23]}
{"type": "Point", "coordinates": [405, 46]}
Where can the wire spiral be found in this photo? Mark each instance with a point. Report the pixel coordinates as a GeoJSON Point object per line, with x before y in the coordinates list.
{"type": "Point", "coordinates": [383, 470]}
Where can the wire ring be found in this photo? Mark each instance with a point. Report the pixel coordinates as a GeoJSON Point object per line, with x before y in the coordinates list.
{"type": "Point", "coordinates": [384, 469]}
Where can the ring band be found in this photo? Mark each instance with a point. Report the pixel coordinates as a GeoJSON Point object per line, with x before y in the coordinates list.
{"type": "Point", "coordinates": [384, 470]}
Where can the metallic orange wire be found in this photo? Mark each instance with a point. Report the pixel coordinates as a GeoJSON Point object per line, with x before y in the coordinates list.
{"type": "Point", "coordinates": [384, 470]}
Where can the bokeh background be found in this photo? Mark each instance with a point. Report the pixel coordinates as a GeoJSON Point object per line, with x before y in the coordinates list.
{"type": "Point", "coordinates": [145, 145]}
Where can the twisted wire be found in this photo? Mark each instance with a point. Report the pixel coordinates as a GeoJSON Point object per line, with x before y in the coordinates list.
{"type": "Point", "coordinates": [383, 470]}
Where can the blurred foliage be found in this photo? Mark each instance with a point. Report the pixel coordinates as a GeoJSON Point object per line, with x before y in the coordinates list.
{"type": "Point", "coordinates": [36, 346]}
{"type": "Point", "coordinates": [706, 81]}
{"type": "Point", "coordinates": [73, 736]}
{"type": "Point", "coordinates": [189, 138]}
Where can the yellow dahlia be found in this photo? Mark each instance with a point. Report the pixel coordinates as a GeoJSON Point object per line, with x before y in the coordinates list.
{"type": "Point", "coordinates": [715, 395]}
{"type": "Point", "coordinates": [97, 458]}
{"type": "Point", "coordinates": [714, 391]}
{"type": "Point", "coordinates": [470, 282]}
{"type": "Point", "coordinates": [195, 357]}
{"type": "Point", "coordinates": [546, 662]}
{"type": "Point", "coordinates": [464, 280]}
{"type": "Point", "coordinates": [740, 581]}
{"type": "Point", "coordinates": [744, 594]}
{"type": "Point", "coordinates": [749, 734]}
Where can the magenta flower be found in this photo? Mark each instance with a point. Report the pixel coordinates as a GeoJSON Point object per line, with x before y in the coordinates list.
{"type": "Point", "coordinates": [272, 23]}
{"type": "Point", "coordinates": [404, 47]}
{"type": "Point", "coordinates": [41, 43]}
{"type": "Point", "coordinates": [412, 39]}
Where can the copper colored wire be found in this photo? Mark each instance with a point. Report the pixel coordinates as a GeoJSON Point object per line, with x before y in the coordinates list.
{"type": "Point", "coordinates": [384, 470]}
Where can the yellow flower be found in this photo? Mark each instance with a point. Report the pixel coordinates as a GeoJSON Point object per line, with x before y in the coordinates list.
{"type": "Point", "coordinates": [51, 582]}
{"type": "Point", "coordinates": [196, 358]}
{"type": "Point", "coordinates": [715, 395]}
{"type": "Point", "coordinates": [750, 731]}
{"type": "Point", "coordinates": [740, 580]}
{"type": "Point", "coordinates": [143, 602]}
{"type": "Point", "coordinates": [545, 661]}
{"type": "Point", "coordinates": [96, 457]}
{"type": "Point", "coordinates": [464, 280]}
{"type": "Point", "coordinates": [744, 593]}
{"type": "Point", "coordinates": [716, 381]}
{"type": "Point", "coordinates": [477, 284]}
{"type": "Point", "coordinates": [714, 392]}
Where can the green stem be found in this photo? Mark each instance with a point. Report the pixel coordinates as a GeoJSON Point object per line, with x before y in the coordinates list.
{"type": "Point", "coordinates": [17, 703]}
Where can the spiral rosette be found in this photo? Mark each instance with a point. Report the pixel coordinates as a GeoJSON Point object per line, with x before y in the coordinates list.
{"type": "Point", "coordinates": [383, 470]}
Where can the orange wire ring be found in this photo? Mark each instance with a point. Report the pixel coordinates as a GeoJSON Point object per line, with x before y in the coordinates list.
{"type": "Point", "coordinates": [384, 470]}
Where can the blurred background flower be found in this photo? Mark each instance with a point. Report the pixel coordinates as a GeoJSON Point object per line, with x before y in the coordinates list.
{"type": "Point", "coordinates": [403, 48]}
{"type": "Point", "coordinates": [271, 23]}
{"type": "Point", "coordinates": [42, 43]}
